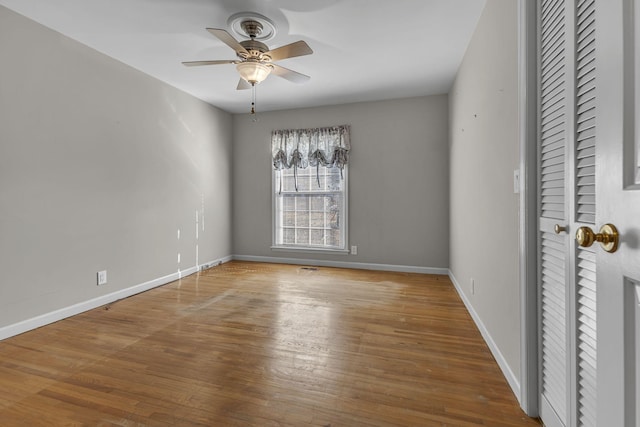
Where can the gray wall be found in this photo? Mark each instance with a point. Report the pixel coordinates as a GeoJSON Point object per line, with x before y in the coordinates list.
{"type": "Point", "coordinates": [398, 180]}
{"type": "Point", "coordinates": [484, 154]}
{"type": "Point", "coordinates": [100, 165]}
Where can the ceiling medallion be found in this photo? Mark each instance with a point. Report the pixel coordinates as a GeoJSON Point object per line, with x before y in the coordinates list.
{"type": "Point", "coordinates": [267, 30]}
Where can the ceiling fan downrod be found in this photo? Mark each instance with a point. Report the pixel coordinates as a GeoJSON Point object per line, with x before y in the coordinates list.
{"type": "Point", "coordinates": [251, 28]}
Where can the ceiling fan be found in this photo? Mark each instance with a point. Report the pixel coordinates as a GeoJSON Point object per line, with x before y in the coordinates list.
{"type": "Point", "coordinates": [255, 61]}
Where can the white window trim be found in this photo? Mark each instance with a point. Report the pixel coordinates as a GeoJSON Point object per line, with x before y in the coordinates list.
{"type": "Point", "coordinates": [309, 249]}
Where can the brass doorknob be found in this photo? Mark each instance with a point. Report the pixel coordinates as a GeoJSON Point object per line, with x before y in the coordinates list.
{"type": "Point", "coordinates": [608, 237]}
{"type": "Point", "coordinates": [559, 229]}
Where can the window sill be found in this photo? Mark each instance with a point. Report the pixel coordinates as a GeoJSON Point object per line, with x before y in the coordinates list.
{"type": "Point", "coordinates": [309, 250]}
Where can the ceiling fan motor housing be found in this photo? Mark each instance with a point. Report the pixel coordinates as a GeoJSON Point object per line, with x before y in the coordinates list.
{"type": "Point", "coordinates": [256, 50]}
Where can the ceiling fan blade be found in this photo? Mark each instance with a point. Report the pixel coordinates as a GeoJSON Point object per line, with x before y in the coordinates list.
{"type": "Point", "coordinates": [243, 85]}
{"type": "Point", "coordinates": [197, 63]}
{"type": "Point", "coordinates": [292, 76]}
{"type": "Point", "coordinates": [227, 39]}
{"type": "Point", "coordinates": [292, 50]}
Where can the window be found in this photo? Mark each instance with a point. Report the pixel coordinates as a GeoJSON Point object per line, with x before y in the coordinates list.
{"type": "Point", "coordinates": [314, 215]}
{"type": "Point", "coordinates": [310, 188]}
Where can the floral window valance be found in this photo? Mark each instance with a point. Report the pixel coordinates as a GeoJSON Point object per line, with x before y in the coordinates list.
{"type": "Point", "coordinates": [319, 147]}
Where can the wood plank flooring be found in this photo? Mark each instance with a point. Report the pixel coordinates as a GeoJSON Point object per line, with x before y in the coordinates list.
{"type": "Point", "coordinates": [251, 344]}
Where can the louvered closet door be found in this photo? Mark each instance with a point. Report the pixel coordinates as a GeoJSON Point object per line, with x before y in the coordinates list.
{"type": "Point", "coordinates": [585, 204]}
{"type": "Point", "coordinates": [566, 147]}
{"type": "Point", "coordinates": [552, 160]}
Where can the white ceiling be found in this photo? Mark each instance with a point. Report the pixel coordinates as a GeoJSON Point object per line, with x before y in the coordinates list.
{"type": "Point", "coordinates": [364, 50]}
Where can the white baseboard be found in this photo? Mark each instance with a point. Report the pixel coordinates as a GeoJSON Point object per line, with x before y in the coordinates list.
{"type": "Point", "coordinates": [63, 313]}
{"type": "Point", "coordinates": [215, 263]}
{"type": "Point", "coordinates": [513, 381]}
{"type": "Point", "coordinates": [344, 264]}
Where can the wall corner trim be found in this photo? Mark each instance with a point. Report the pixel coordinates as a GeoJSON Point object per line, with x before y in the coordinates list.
{"type": "Point", "coordinates": [54, 316]}
{"type": "Point", "coordinates": [513, 381]}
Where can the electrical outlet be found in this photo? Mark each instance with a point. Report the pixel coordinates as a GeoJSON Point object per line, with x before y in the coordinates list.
{"type": "Point", "coordinates": [473, 286]}
{"type": "Point", "coordinates": [102, 277]}
{"type": "Point", "coordinates": [354, 250]}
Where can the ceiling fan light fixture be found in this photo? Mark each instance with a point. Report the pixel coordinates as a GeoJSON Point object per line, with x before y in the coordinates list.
{"type": "Point", "coordinates": [253, 72]}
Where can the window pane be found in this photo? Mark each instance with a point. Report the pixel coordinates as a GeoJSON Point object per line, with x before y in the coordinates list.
{"type": "Point", "coordinates": [334, 181]}
{"type": "Point", "coordinates": [317, 237]}
{"type": "Point", "coordinates": [334, 208]}
{"type": "Point", "coordinates": [289, 236]}
{"type": "Point", "coordinates": [288, 218]}
{"type": "Point", "coordinates": [302, 203]}
{"type": "Point", "coordinates": [288, 182]}
{"type": "Point", "coordinates": [304, 183]}
{"type": "Point", "coordinates": [317, 203]}
{"type": "Point", "coordinates": [302, 218]}
{"type": "Point", "coordinates": [333, 238]}
{"type": "Point", "coordinates": [302, 235]}
{"type": "Point", "coordinates": [316, 219]}
{"type": "Point", "coordinates": [289, 203]}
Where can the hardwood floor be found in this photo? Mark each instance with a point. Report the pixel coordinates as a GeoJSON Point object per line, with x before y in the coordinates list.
{"type": "Point", "coordinates": [251, 344]}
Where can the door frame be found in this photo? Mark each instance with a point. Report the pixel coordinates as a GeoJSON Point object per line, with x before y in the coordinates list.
{"type": "Point", "coordinates": [528, 225]}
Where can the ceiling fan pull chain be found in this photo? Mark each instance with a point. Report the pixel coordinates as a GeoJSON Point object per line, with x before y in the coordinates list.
{"type": "Point", "coordinates": [254, 117]}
